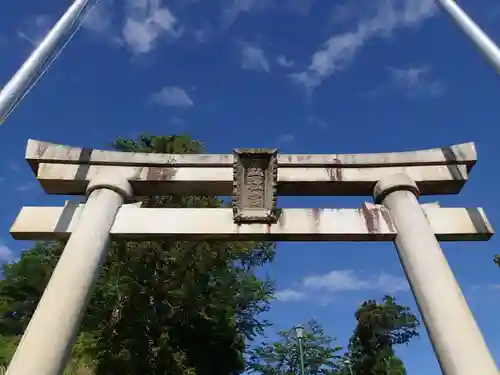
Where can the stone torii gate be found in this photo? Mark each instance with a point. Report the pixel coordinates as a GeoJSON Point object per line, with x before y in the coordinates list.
{"type": "Point", "coordinates": [255, 178]}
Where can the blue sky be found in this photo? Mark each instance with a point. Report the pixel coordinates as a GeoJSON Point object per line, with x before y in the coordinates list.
{"type": "Point", "coordinates": [308, 76]}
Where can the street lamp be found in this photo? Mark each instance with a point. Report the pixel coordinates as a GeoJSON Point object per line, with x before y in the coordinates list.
{"type": "Point", "coordinates": [348, 363]}
{"type": "Point", "coordinates": [299, 333]}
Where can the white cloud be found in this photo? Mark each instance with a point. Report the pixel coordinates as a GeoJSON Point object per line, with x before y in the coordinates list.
{"type": "Point", "coordinates": [35, 28]}
{"type": "Point", "coordinates": [289, 295]}
{"type": "Point", "coordinates": [412, 82]}
{"type": "Point", "coordinates": [173, 96]}
{"type": "Point", "coordinates": [349, 280]}
{"type": "Point", "coordinates": [4, 41]}
{"type": "Point", "coordinates": [286, 138]}
{"type": "Point", "coordinates": [415, 81]}
{"type": "Point", "coordinates": [24, 187]}
{"type": "Point", "coordinates": [283, 61]}
{"type": "Point", "coordinates": [340, 49]}
{"type": "Point", "coordinates": [234, 8]}
{"type": "Point", "coordinates": [99, 18]}
{"type": "Point", "coordinates": [14, 166]}
{"type": "Point", "coordinates": [6, 254]}
{"type": "Point", "coordinates": [146, 22]}
{"type": "Point", "coordinates": [316, 121]}
{"type": "Point", "coordinates": [323, 287]}
{"type": "Point", "coordinates": [143, 25]}
{"type": "Point", "coordinates": [253, 58]}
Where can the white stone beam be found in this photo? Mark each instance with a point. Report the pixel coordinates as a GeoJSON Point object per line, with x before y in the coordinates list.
{"type": "Point", "coordinates": [369, 223]}
{"type": "Point", "coordinates": [43, 152]}
{"type": "Point", "coordinates": [71, 179]}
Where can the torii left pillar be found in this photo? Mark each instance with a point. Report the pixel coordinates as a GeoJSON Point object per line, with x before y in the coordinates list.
{"type": "Point", "coordinates": [47, 342]}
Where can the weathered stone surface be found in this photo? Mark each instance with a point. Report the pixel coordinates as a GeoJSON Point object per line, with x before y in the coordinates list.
{"type": "Point", "coordinates": [255, 177]}
{"type": "Point", "coordinates": [72, 179]}
{"type": "Point", "coordinates": [369, 223]}
{"type": "Point", "coordinates": [43, 152]}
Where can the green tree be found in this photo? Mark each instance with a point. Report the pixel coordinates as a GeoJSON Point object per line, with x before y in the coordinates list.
{"type": "Point", "coordinates": [380, 327]}
{"type": "Point", "coordinates": [282, 356]}
{"type": "Point", "coordinates": [159, 307]}
{"type": "Point", "coordinates": [497, 259]}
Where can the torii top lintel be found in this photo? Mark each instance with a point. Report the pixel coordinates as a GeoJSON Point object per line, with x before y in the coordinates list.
{"type": "Point", "coordinates": [67, 170]}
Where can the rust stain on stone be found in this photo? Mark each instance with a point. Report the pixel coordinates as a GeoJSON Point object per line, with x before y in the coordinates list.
{"type": "Point", "coordinates": [281, 221]}
{"type": "Point", "coordinates": [160, 173]}
{"type": "Point", "coordinates": [316, 214]}
{"type": "Point", "coordinates": [371, 219]}
{"type": "Point", "coordinates": [335, 174]}
{"type": "Point", "coordinates": [386, 215]}
{"type": "Point", "coordinates": [42, 147]}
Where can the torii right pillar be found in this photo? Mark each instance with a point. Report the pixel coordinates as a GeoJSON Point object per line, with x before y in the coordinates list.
{"type": "Point", "coordinates": [456, 339]}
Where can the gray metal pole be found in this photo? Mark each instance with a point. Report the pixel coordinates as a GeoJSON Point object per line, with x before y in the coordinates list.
{"type": "Point", "coordinates": [482, 41]}
{"type": "Point", "coordinates": [301, 353]}
{"type": "Point", "coordinates": [21, 80]}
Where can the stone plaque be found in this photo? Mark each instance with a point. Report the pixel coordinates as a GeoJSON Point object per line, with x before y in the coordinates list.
{"type": "Point", "coordinates": [255, 177]}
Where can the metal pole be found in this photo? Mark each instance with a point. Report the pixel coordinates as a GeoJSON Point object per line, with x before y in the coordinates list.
{"type": "Point", "coordinates": [482, 41]}
{"type": "Point", "coordinates": [348, 362]}
{"type": "Point", "coordinates": [21, 80]}
{"type": "Point", "coordinates": [301, 353]}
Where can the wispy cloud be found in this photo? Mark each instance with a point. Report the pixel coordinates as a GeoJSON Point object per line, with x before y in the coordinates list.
{"type": "Point", "coordinates": [146, 22]}
{"type": "Point", "coordinates": [349, 280]}
{"type": "Point", "coordinates": [173, 96]}
{"type": "Point", "coordinates": [34, 29]}
{"type": "Point", "coordinates": [4, 41]}
{"type": "Point", "coordinates": [23, 188]}
{"type": "Point", "coordinates": [340, 49]}
{"type": "Point", "coordinates": [286, 138]}
{"type": "Point", "coordinates": [6, 254]}
{"type": "Point", "coordinates": [14, 166]}
{"type": "Point", "coordinates": [485, 287]}
{"type": "Point", "coordinates": [290, 295]}
{"type": "Point", "coordinates": [254, 58]}
{"type": "Point", "coordinates": [143, 25]}
{"type": "Point", "coordinates": [285, 62]}
{"type": "Point", "coordinates": [494, 14]}
{"type": "Point", "coordinates": [322, 287]}
{"type": "Point", "coordinates": [413, 82]}
{"type": "Point", "coordinates": [234, 8]}
{"type": "Point", "coordinates": [343, 12]}
{"type": "Point", "coordinates": [99, 18]}
{"type": "Point", "coordinates": [316, 121]}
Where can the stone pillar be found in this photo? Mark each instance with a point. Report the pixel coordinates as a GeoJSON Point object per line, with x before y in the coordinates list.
{"type": "Point", "coordinates": [47, 342]}
{"type": "Point", "coordinates": [457, 341]}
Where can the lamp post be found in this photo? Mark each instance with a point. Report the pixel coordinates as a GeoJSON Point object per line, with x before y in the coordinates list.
{"type": "Point", "coordinates": [348, 363]}
{"type": "Point", "coordinates": [480, 39]}
{"type": "Point", "coordinates": [299, 333]}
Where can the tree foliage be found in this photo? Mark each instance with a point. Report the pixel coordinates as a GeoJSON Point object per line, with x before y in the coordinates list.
{"type": "Point", "coordinates": [282, 356]}
{"type": "Point", "coordinates": [159, 307]}
{"type": "Point", "coordinates": [380, 327]}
